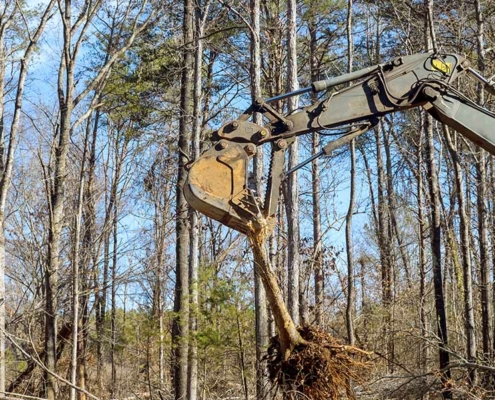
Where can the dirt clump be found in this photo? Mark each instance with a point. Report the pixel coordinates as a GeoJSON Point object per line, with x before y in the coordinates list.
{"type": "Point", "coordinates": [321, 369]}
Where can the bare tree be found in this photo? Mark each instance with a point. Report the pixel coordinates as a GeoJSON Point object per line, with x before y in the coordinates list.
{"type": "Point", "coordinates": [292, 195]}
{"type": "Point", "coordinates": [351, 295]}
{"type": "Point", "coordinates": [181, 302]}
{"type": "Point", "coordinates": [422, 228]}
{"type": "Point", "coordinates": [317, 257]}
{"type": "Point", "coordinates": [8, 140]}
{"type": "Point", "coordinates": [75, 269]}
{"type": "Point", "coordinates": [466, 258]}
{"type": "Point", "coordinates": [435, 218]}
{"type": "Point", "coordinates": [261, 329]}
{"type": "Point", "coordinates": [482, 212]}
{"type": "Point", "coordinates": [201, 14]}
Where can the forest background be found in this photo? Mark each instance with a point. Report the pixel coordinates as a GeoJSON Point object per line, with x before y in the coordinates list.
{"type": "Point", "coordinates": [112, 288]}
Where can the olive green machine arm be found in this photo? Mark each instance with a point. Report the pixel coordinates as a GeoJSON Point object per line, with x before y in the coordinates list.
{"type": "Point", "coordinates": [218, 182]}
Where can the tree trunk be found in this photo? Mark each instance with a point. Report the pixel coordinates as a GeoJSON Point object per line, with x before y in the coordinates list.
{"type": "Point", "coordinates": [261, 317]}
{"type": "Point", "coordinates": [289, 336]}
{"type": "Point", "coordinates": [435, 217]}
{"type": "Point", "coordinates": [351, 295]}
{"type": "Point", "coordinates": [466, 259]}
{"type": "Point", "coordinates": [7, 148]}
{"type": "Point", "coordinates": [113, 313]}
{"type": "Point", "coordinates": [394, 230]}
{"type": "Point", "coordinates": [2, 213]}
{"type": "Point", "coordinates": [319, 277]}
{"type": "Point", "coordinates": [292, 201]}
{"type": "Point", "coordinates": [481, 191]}
{"type": "Point", "coordinates": [242, 360]}
{"type": "Point", "coordinates": [75, 276]}
{"type": "Point", "coordinates": [383, 235]}
{"type": "Point", "coordinates": [180, 329]}
{"type": "Point", "coordinates": [201, 12]}
{"type": "Point", "coordinates": [436, 247]}
{"type": "Point", "coordinates": [423, 351]}
{"type": "Point", "coordinates": [89, 238]}
{"type": "Point", "coordinates": [111, 242]}
{"type": "Point", "coordinates": [57, 196]}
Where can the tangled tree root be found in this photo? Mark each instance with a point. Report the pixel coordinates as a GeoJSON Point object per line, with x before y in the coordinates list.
{"type": "Point", "coordinates": [322, 369]}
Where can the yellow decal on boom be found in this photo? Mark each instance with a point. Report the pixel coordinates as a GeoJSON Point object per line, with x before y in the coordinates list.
{"type": "Point", "coordinates": [442, 66]}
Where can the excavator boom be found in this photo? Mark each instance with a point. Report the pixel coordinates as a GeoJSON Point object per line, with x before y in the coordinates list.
{"type": "Point", "coordinates": [218, 182]}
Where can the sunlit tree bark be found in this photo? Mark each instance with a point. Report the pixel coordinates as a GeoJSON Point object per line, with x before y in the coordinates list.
{"type": "Point", "coordinates": [181, 302]}
{"type": "Point", "coordinates": [351, 295]}
{"type": "Point", "coordinates": [435, 218]}
{"type": "Point", "coordinates": [292, 200]}
{"type": "Point", "coordinates": [261, 317]}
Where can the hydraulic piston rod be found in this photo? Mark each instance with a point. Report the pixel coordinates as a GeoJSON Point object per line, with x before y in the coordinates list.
{"type": "Point", "coordinates": [319, 86]}
{"type": "Point", "coordinates": [489, 84]}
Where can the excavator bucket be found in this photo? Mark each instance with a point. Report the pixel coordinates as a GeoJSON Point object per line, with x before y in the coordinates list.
{"type": "Point", "coordinates": [216, 185]}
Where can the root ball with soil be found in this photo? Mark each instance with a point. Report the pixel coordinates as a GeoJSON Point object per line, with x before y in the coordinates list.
{"type": "Point", "coordinates": [323, 368]}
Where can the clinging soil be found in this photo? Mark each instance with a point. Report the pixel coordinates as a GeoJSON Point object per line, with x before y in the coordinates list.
{"type": "Point", "coordinates": [321, 369]}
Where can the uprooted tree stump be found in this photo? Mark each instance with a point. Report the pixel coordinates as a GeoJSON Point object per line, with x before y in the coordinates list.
{"type": "Point", "coordinates": [323, 368]}
{"type": "Point", "coordinates": [307, 360]}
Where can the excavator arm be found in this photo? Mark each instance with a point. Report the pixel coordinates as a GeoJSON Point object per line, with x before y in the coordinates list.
{"type": "Point", "coordinates": [218, 182]}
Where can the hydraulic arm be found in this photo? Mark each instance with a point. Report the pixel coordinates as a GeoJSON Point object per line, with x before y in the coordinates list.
{"type": "Point", "coordinates": [218, 184]}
